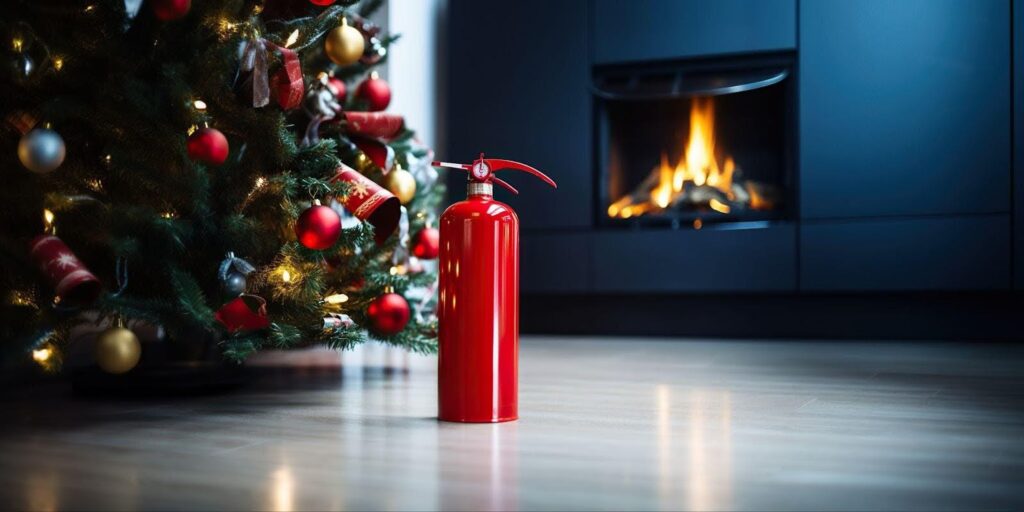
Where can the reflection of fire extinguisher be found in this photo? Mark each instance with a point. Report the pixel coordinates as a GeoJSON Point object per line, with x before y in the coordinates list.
{"type": "Point", "coordinates": [478, 313]}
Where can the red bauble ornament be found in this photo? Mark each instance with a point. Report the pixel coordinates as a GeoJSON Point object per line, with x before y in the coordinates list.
{"type": "Point", "coordinates": [208, 145]}
{"type": "Point", "coordinates": [170, 10]}
{"type": "Point", "coordinates": [375, 92]}
{"type": "Point", "coordinates": [321, 3]}
{"type": "Point", "coordinates": [318, 227]}
{"type": "Point", "coordinates": [426, 244]}
{"type": "Point", "coordinates": [388, 314]}
{"type": "Point", "coordinates": [338, 86]}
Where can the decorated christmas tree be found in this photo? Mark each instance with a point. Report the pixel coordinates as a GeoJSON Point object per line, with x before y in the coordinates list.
{"type": "Point", "coordinates": [221, 172]}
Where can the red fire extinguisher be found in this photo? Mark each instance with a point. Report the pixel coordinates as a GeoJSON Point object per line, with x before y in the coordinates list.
{"type": "Point", "coordinates": [478, 310]}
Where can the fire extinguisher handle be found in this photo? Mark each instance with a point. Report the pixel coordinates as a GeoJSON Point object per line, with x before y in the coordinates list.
{"type": "Point", "coordinates": [497, 164]}
{"type": "Point", "coordinates": [505, 184]}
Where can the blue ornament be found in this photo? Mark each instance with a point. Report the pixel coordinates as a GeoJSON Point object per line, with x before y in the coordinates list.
{"type": "Point", "coordinates": [41, 150]}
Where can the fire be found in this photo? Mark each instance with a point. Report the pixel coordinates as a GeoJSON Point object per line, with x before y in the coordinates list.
{"type": "Point", "coordinates": [699, 165]}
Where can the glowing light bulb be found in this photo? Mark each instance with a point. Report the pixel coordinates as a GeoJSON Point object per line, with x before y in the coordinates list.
{"type": "Point", "coordinates": [337, 298]}
{"type": "Point", "coordinates": [48, 218]}
{"type": "Point", "coordinates": [42, 355]}
{"type": "Point", "coordinates": [292, 38]}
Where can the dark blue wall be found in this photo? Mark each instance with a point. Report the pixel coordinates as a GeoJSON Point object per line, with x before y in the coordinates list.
{"type": "Point", "coordinates": [907, 175]}
{"type": "Point", "coordinates": [519, 89]}
{"type": "Point", "coordinates": [669, 29]}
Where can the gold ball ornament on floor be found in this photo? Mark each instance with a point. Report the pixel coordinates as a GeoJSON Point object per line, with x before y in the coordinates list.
{"type": "Point", "coordinates": [401, 183]}
{"type": "Point", "coordinates": [344, 45]}
{"type": "Point", "coordinates": [117, 350]}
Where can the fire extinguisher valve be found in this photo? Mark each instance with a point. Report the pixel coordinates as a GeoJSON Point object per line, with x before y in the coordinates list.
{"type": "Point", "coordinates": [481, 174]}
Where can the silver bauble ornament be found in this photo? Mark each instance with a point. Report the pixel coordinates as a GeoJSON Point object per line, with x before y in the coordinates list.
{"type": "Point", "coordinates": [41, 150]}
{"type": "Point", "coordinates": [234, 284]}
{"type": "Point", "coordinates": [23, 66]}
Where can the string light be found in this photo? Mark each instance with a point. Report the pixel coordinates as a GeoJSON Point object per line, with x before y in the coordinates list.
{"type": "Point", "coordinates": [90, 8]}
{"type": "Point", "coordinates": [199, 104]}
{"type": "Point", "coordinates": [337, 298]}
{"type": "Point", "coordinates": [42, 355]}
{"type": "Point", "coordinates": [168, 215]}
{"type": "Point", "coordinates": [398, 270]}
{"type": "Point", "coordinates": [225, 27]}
{"type": "Point", "coordinates": [58, 63]}
{"type": "Point", "coordinates": [21, 298]}
{"type": "Point", "coordinates": [94, 184]}
{"type": "Point", "coordinates": [46, 356]}
{"type": "Point", "coordinates": [16, 44]}
{"type": "Point", "coordinates": [292, 38]}
{"type": "Point", "coordinates": [256, 187]}
{"type": "Point", "coordinates": [286, 276]}
{"type": "Point", "coordinates": [48, 218]}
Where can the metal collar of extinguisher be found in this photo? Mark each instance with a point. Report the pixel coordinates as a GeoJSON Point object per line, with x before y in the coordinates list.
{"type": "Point", "coordinates": [476, 188]}
{"type": "Point", "coordinates": [481, 174]}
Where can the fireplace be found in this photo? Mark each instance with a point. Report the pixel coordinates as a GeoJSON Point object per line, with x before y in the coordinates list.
{"type": "Point", "coordinates": [693, 143]}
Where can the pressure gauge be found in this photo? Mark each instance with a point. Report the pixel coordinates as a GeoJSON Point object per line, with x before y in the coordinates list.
{"type": "Point", "coordinates": [481, 170]}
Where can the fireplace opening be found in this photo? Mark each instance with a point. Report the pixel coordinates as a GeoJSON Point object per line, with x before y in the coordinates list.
{"type": "Point", "coordinates": [695, 144]}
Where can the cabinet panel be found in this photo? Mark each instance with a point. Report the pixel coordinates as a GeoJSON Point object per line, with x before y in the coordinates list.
{"type": "Point", "coordinates": [904, 107]}
{"type": "Point", "coordinates": [555, 262]}
{"type": "Point", "coordinates": [1018, 140]}
{"type": "Point", "coordinates": [664, 29]}
{"type": "Point", "coordinates": [518, 89]}
{"type": "Point", "coordinates": [708, 260]}
{"type": "Point", "coordinates": [955, 253]}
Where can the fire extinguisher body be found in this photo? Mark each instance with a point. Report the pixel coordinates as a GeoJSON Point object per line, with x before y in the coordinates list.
{"type": "Point", "coordinates": [478, 312]}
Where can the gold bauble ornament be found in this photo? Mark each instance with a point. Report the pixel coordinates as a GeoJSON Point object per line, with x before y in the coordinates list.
{"type": "Point", "coordinates": [344, 44]}
{"type": "Point", "coordinates": [401, 183]}
{"type": "Point", "coordinates": [117, 350]}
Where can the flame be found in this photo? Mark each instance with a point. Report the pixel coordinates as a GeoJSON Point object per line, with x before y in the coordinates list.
{"type": "Point", "coordinates": [698, 165]}
{"type": "Point", "coordinates": [757, 201]}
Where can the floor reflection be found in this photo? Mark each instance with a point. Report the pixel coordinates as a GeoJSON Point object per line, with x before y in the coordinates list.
{"type": "Point", "coordinates": [694, 443]}
{"type": "Point", "coordinates": [282, 489]}
{"type": "Point", "coordinates": [42, 489]}
{"type": "Point", "coordinates": [483, 463]}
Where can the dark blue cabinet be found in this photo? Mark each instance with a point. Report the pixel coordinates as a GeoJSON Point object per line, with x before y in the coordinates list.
{"type": "Point", "coordinates": [1018, 141]}
{"type": "Point", "coordinates": [693, 261]}
{"type": "Point", "coordinates": [938, 253]}
{"type": "Point", "coordinates": [555, 262]}
{"type": "Point", "coordinates": [903, 107]}
{"type": "Point", "coordinates": [665, 29]}
{"type": "Point", "coordinates": [518, 89]}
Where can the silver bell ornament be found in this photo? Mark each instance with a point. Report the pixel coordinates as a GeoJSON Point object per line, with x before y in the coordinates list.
{"type": "Point", "coordinates": [41, 150]}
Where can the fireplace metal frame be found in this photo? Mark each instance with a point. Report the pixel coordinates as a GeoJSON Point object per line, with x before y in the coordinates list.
{"type": "Point", "coordinates": [705, 76]}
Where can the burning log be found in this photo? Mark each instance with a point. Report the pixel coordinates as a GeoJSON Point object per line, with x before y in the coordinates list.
{"type": "Point", "coordinates": [696, 196]}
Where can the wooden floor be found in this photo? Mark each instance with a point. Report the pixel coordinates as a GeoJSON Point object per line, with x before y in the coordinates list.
{"type": "Point", "coordinates": [606, 424]}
